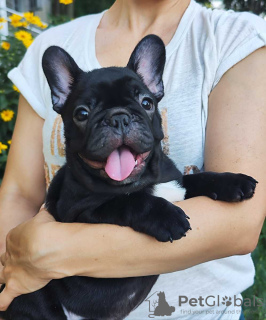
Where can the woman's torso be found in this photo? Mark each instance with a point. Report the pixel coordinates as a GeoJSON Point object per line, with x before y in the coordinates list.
{"type": "Point", "coordinates": [202, 49]}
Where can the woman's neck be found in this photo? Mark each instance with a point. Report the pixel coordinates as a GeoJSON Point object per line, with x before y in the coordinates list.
{"type": "Point", "coordinates": [128, 21]}
{"type": "Point", "coordinates": [141, 17]}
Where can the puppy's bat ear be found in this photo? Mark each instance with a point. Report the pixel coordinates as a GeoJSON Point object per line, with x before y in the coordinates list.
{"type": "Point", "coordinates": [148, 60]}
{"type": "Point", "coordinates": [61, 71]}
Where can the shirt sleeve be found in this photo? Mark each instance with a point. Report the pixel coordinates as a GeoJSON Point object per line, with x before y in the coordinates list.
{"type": "Point", "coordinates": [237, 36]}
{"type": "Point", "coordinates": [27, 77]}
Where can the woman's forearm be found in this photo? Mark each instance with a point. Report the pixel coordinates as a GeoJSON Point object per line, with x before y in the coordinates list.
{"type": "Point", "coordinates": [218, 230]}
{"type": "Point", "coordinates": [22, 190]}
{"type": "Point", "coordinates": [42, 249]}
{"type": "Point", "coordinates": [14, 209]}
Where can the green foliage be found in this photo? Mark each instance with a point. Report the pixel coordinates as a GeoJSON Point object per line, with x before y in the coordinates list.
{"type": "Point", "coordinates": [55, 20]}
{"type": "Point", "coordinates": [83, 7]}
{"type": "Point", "coordinates": [206, 3]}
{"type": "Point", "coordinates": [259, 288]}
{"type": "Point", "coordinates": [255, 6]}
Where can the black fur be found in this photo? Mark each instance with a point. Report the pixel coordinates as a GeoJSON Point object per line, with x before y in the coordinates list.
{"type": "Point", "coordinates": [103, 110]}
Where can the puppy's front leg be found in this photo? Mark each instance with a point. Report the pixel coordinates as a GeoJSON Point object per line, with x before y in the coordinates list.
{"type": "Point", "coordinates": [226, 186]}
{"type": "Point", "coordinates": [145, 213]}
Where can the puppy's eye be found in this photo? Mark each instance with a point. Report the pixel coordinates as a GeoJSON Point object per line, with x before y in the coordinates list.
{"type": "Point", "coordinates": [81, 114]}
{"type": "Point", "coordinates": [147, 103]}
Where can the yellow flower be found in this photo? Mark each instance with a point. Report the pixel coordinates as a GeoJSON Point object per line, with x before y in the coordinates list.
{"type": "Point", "coordinates": [2, 20]}
{"type": "Point", "coordinates": [31, 18]}
{"type": "Point", "coordinates": [7, 115]}
{"type": "Point", "coordinates": [43, 25]}
{"type": "Point", "coordinates": [23, 35]}
{"type": "Point", "coordinates": [37, 20]}
{"type": "Point", "coordinates": [15, 17]}
{"type": "Point", "coordinates": [15, 88]}
{"type": "Point", "coordinates": [24, 24]}
{"type": "Point", "coordinates": [17, 24]}
{"type": "Point", "coordinates": [28, 16]}
{"type": "Point", "coordinates": [27, 42]}
{"type": "Point", "coordinates": [66, 1]}
{"type": "Point", "coordinates": [15, 20]}
{"type": "Point", "coordinates": [1, 27]}
{"type": "Point", "coordinates": [9, 141]}
{"type": "Point", "coordinates": [2, 147]}
{"type": "Point", "coordinates": [5, 45]}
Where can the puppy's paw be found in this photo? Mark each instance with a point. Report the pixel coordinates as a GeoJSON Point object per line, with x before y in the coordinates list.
{"type": "Point", "coordinates": [171, 223]}
{"type": "Point", "coordinates": [234, 188]}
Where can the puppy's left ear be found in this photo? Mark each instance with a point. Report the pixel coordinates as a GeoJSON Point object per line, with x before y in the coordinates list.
{"type": "Point", "coordinates": [61, 71]}
{"type": "Point", "coordinates": [148, 60]}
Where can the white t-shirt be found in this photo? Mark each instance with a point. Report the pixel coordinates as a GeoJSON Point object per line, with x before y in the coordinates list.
{"type": "Point", "coordinates": [206, 44]}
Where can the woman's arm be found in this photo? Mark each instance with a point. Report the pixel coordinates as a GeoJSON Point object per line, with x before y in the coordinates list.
{"type": "Point", "coordinates": [235, 142]}
{"type": "Point", "coordinates": [23, 189]}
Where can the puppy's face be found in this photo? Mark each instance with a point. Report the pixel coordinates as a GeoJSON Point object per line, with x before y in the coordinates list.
{"type": "Point", "coordinates": [112, 125]}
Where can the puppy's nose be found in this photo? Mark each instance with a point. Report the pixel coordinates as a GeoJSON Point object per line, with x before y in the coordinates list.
{"type": "Point", "coordinates": [119, 121]}
{"type": "Point", "coordinates": [118, 118]}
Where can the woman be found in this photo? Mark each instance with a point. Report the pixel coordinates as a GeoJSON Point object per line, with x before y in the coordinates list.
{"type": "Point", "coordinates": [214, 103]}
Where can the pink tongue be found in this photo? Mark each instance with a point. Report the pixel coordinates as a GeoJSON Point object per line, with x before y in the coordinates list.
{"type": "Point", "coordinates": [120, 164]}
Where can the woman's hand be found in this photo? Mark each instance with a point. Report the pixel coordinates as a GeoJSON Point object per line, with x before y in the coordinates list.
{"type": "Point", "coordinates": [24, 269]}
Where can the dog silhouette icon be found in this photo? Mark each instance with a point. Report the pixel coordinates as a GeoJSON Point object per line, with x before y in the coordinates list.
{"type": "Point", "coordinates": [163, 308]}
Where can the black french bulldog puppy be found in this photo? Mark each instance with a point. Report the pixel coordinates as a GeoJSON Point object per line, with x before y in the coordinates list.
{"type": "Point", "coordinates": [114, 158]}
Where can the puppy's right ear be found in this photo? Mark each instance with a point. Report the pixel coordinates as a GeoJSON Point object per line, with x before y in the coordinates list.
{"type": "Point", "coordinates": [61, 71]}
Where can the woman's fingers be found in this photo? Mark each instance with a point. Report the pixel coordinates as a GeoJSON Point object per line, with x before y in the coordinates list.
{"type": "Point", "coordinates": [3, 259]}
{"type": "Point", "coordinates": [15, 272]}
{"type": "Point", "coordinates": [6, 297]}
{"type": "Point", "coordinates": [2, 278]}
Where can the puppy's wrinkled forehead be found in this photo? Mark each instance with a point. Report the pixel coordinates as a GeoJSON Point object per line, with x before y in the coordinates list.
{"type": "Point", "coordinates": [110, 87]}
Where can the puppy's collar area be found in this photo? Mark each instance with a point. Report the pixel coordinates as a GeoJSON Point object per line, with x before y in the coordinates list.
{"type": "Point", "coordinates": [121, 164]}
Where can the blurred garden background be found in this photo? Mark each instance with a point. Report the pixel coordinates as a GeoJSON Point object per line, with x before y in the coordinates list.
{"type": "Point", "coordinates": [22, 20]}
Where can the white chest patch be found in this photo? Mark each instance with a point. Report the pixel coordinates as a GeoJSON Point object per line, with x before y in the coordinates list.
{"type": "Point", "coordinates": [71, 316]}
{"type": "Point", "coordinates": [170, 191]}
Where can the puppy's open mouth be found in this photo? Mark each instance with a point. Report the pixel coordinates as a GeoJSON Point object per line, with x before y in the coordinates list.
{"type": "Point", "coordinates": [120, 164]}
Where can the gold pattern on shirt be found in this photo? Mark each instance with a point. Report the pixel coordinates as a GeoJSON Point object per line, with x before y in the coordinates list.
{"type": "Point", "coordinates": [165, 141]}
{"type": "Point", "coordinates": [47, 176]}
{"type": "Point", "coordinates": [57, 128]}
{"type": "Point", "coordinates": [191, 169]}
{"type": "Point", "coordinates": [55, 168]}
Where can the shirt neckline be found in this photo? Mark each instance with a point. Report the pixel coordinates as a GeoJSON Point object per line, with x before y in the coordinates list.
{"type": "Point", "coordinates": [180, 32]}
